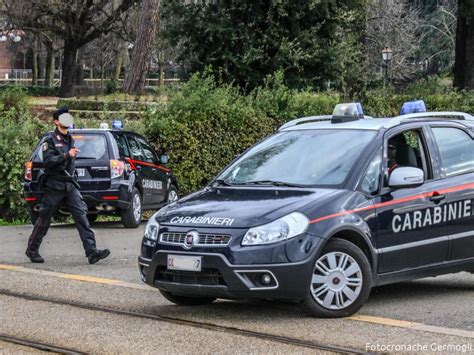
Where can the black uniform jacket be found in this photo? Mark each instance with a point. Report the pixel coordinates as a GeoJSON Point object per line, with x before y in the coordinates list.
{"type": "Point", "coordinates": [57, 161]}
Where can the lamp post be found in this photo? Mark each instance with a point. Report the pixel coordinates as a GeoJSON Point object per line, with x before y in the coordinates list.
{"type": "Point", "coordinates": [386, 57]}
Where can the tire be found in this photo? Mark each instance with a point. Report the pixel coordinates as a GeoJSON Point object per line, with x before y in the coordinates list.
{"type": "Point", "coordinates": [92, 217]}
{"type": "Point", "coordinates": [332, 293]}
{"type": "Point", "coordinates": [187, 301]}
{"type": "Point", "coordinates": [172, 195]}
{"type": "Point", "coordinates": [132, 217]}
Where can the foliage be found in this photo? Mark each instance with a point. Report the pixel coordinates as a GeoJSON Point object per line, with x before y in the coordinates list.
{"type": "Point", "coordinates": [19, 134]}
{"type": "Point", "coordinates": [14, 97]}
{"type": "Point", "coordinates": [99, 105]}
{"type": "Point", "coordinates": [246, 40]}
{"type": "Point", "coordinates": [111, 86]}
{"type": "Point", "coordinates": [33, 90]}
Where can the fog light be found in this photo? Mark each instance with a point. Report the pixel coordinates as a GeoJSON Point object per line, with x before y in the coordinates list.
{"type": "Point", "coordinates": [266, 279]}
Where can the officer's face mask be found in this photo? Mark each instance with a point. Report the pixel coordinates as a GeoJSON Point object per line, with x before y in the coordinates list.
{"type": "Point", "coordinates": [65, 121]}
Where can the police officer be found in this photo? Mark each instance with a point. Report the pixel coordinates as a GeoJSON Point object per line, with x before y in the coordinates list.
{"type": "Point", "coordinates": [59, 156]}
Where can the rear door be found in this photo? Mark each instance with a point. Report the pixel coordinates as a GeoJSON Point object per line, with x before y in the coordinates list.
{"type": "Point", "coordinates": [93, 160]}
{"type": "Point", "coordinates": [159, 178]}
{"type": "Point", "coordinates": [144, 170]}
{"type": "Point", "coordinates": [456, 150]}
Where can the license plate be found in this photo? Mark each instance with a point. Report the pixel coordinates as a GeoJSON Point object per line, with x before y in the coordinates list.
{"type": "Point", "coordinates": [186, 263]}
{"type": "Point", "coordinates": [81, 172]}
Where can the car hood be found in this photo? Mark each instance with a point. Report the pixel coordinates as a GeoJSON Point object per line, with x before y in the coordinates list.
{"type": "Point", "coordinates": [242, 207]}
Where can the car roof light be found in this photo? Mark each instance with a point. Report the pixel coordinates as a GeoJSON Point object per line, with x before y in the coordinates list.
{"type": "Point", "coordinates": [347, 112]}
{"type": "Point", "coordinates": [413, 106]}
{"type": "Point", "coordinates": [104, 125]}
{"type": "Point", "coordinates": [117, 124]}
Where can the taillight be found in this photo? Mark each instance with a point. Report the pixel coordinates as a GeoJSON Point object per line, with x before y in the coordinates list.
{"type": "Point", "coordinates": [116, 168]}
{"type": "Point", "coordinates": [28, 170]}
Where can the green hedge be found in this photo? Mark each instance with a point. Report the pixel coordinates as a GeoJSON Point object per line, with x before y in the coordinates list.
{"type": "Point", "coordinates": [33, 90]}
{"type": "Point", "coordinates": [97, 105]}
{"type": "Point", "coordinates": [205, 125]}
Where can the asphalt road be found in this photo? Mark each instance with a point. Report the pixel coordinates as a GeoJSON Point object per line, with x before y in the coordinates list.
{"type": "Point", "coordinates": [434, 314]}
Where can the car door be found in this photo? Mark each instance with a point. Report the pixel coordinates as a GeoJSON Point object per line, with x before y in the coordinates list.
{"type": "Point", "coordinates": [159, 177]}
{"type": "Point", "coordinates": [456, 151]}
{"type": "Point", "coordinates": [144, 171]}
{"type": "Point", "coordinates": [411, 233]}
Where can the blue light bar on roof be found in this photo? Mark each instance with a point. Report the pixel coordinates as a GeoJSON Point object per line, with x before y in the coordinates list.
{"type": "Point", "coordinates": [413, 107]}
{"type": "Point", "coordinates": [117, 124]}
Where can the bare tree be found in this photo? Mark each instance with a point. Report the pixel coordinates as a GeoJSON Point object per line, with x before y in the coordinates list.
{"type": "Point", "coordinates": [140, 62]}
{"type": "Point", "coordinates": [464, 62]}
{"type": "Point", "coordinates": [76, 23]}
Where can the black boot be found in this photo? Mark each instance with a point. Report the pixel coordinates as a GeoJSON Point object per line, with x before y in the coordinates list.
{"type": "Point", "coordinates": [97, 255]}
{"type": "Point", "coordinates": [34, 257]}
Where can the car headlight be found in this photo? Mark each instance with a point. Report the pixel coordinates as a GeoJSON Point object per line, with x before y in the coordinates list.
{"type": "Point", "coordinates": [152, 228]}
{"type": "Point", "coordinates": [284, 228]}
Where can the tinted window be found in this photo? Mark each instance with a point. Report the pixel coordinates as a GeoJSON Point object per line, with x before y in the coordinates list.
{"type": "Point", "coordinates": [91, 146]}
{"type": "Point", "coordinates": [122, 146]}
{"type": "Point", "coordinates": [150, 155]}
{"type": "Point", "coordinates": [306, 157]}
{"type": "Point", "coordinates": [456, 148]}
{"type": "Point", "coordinates": [135, 149]}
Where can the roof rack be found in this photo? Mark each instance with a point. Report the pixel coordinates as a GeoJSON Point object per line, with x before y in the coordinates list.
{"type": "Point", "coordinates": [305, 120]}
{"type": "Point", "coordinates": [449, 115]}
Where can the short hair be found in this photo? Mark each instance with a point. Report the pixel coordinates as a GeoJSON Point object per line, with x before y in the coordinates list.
{"type": "Point", "coordinates": [59, 112]}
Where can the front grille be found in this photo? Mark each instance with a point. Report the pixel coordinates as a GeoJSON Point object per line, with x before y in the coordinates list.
{"type": "Point", "coordinates": [204, 239]}
{"type": "Point", "coordinates": [206, 277]}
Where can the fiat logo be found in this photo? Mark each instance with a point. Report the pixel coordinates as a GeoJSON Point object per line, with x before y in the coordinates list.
{"type": "Point", "coordinates": [191, 239]}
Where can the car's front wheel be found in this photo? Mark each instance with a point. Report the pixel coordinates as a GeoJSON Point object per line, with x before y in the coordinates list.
{"type": "Point", "coordinates": [172, 195]}
{"type": "Point", "coordinates": [132, 216]}
{"type": "Point", "coordinates": [340, 283]}
{"type": "Point", "coordinates": [187, 301]}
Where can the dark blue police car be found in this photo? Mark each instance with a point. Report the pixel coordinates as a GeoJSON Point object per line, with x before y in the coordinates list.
{"type": "Point", "coordinates": [322, 211]}
{"type": "Point", "coordinates": [119, 173]}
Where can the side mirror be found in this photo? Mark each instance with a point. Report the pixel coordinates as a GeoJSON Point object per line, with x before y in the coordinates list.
{"type": "Point", "coordinates": [164, 159]}
{"type": "Point", "coordinates": [404, 177]}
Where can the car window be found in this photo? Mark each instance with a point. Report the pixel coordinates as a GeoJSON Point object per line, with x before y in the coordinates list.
{"type": "Point", "coordinates": [122, 146]}
{"type": "Point", "coordinates": [135, 149]}
{"type": "Point", "coordinates": [371, 181]}
{"type": "Point", "coordinates": [150, 155]}
{"type": "Point", "coordinates": [305, 157]}
{"type": "Point", "coordinates": [407, 149]}
{"type": "Point", "coordinates": [91, 146]}
{"type": "Point", "coordinates": [456, 148]}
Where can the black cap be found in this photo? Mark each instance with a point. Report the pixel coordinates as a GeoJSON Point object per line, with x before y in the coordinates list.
{"type": "Point", "coordinates": [59, 112]}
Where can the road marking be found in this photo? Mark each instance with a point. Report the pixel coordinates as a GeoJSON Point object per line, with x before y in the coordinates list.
{"type": "Point", "coordinates": [412, 325]}
{"type": "Point", "coordinates": [83, 278]}
{"type": "Point", "coordinates": [358, 317]}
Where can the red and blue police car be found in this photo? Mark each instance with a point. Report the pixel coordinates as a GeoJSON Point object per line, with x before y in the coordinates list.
{"type": "Point", "coordinates": [119, 173]}
{"type": "Point", "coordinates": [322, 211]}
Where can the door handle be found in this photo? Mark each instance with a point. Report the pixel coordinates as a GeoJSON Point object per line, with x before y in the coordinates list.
{"type": "Point", "coordinates": [437, 197]}
{"type": "Point", "coordinates": [139, 167]}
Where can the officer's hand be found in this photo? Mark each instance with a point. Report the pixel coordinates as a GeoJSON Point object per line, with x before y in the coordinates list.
{"type": "Point", "coordinates": [73, 152]}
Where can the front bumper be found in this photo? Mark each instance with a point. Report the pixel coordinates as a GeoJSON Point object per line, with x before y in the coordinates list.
{"type": "Point", "coordinates": [221, 279]}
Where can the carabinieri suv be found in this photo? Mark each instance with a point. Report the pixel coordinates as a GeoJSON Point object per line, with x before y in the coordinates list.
{"type": "Point", "coordinates": [322, 211]}
{"type": "Point", "coordinates": [119, 174]}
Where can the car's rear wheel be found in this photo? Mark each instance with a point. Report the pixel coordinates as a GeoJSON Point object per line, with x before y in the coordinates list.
{"type": "Point", "coordinates": [340, 283]}
{"type": "Point", "coordinates": [172, 195]}
{"type": "Point", "coordinates": [132, 217]}
{"type": "Point", "coordinates": [187, 301]}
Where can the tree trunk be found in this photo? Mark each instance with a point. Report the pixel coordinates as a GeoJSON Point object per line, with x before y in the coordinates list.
{"type": "Point", "coordinates": [49, 75]}
{"type": "Point", "coordinates": [464, 58]}
{"type": "Point", "coordinates": [68, 69]}
{"type": "Point", "coordinates": [34, 80]}
{"type": "Point", "coordinates": [140, 63]}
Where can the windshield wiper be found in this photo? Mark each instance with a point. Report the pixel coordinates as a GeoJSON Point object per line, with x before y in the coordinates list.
{"type": "Point", "coordinates": [271, 182]}
{"type": "Point", "coordinates": [222, 182]}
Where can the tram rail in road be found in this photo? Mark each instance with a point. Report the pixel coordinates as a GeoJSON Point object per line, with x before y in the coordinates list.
{"type": "Point", "coordinates": [39, 346]}
{"type": "Point", "coordinates": [208, 326]}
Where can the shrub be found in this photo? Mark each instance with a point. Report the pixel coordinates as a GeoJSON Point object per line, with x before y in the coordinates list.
{"type": "Point", "coordinates": [14, 97]}
{"type": "Point", "coordinates": [34, 90]}
{"type": "Point", "coordinates": [19, 134]}
{"type": "Point", "coordinates": [93, 105]}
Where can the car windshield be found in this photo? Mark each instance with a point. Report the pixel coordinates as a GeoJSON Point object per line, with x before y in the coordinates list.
{"type": "Point", "coordinates": [91, 146]}
{"type": "Point", "coordinates": [304, 157]}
